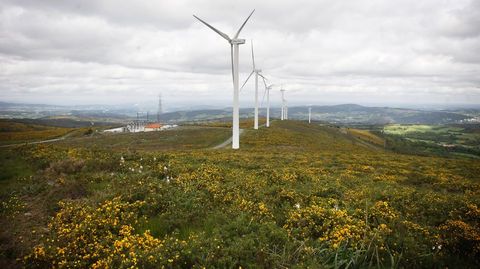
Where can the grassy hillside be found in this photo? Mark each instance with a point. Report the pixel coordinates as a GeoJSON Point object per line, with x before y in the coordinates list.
{"type": "Point", "coordinates": [295, 195]}
{"type": "Point", "coordinates": [17, 132]}
{"type": "Point", "coordinates": [183, 138]}
{"type": "Point", "coordinates": [367, 136]}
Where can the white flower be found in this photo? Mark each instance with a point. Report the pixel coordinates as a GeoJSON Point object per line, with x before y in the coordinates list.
{"type": "Point", "coordinates": [141, 166]}
{"type": "Point", "coordinates": [297, 206]}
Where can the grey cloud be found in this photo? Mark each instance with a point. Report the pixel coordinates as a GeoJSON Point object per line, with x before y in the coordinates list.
{"type": "Point", "coordinates": [360, 49]}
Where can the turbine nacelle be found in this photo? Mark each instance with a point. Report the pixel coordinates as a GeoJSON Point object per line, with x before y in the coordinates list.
{"type": "Point", "coordinates": [237, 41]}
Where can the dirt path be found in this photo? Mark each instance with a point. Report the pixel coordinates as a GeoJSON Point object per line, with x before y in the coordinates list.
{"type": "Point", "coordinates": [39, 142]}
{"type": "Point", "coordinates": [227, 142]}
{"type": "Point", "coordinates": [35, 142]}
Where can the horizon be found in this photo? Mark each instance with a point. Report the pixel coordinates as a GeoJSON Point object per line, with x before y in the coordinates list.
{"type": "Point", "coordinates": [167, 108]}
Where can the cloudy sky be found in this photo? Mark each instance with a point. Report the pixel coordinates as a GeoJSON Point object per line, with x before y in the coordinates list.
{"type": "Point", "coordinates": [323, 52]}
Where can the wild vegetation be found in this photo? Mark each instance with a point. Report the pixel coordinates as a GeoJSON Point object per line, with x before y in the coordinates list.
{"type": "Point", "coordinates": [367, 136]}
{"type": "Point", "coordinates": [295, 195]}
{"type": "Point", "coordinates": [183, 138]}
{"type": "Point", "coordinates": [227, 123]}
{"type": "Point", "coordinates": [17, 132]}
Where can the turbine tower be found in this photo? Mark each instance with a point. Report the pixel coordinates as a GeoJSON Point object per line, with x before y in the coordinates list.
{"type": "Point", "coordinates": [159, 111]}
{"type": "Point", "coordinates": [235, 42]}
{"type": "Point", "coordinates": [282, 117]}
{"type": "Point", "coordinates": [257, 74]}
{"type": "Point", "coordinates": [267, 92]}
{"type": "Point", "coordinates": [310, 115]}
{"type": "Point", "coordinates": [286, 110]}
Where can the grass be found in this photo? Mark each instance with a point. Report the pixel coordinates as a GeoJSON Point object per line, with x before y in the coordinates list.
{"type": "Point", "coordinates": [13, 166]}
{"type": "Point", "coordinates": [367, 136]}
{"type": "Point", "coordinates": [183, 138]}
{"type": "Point", "coordinates": [14, 137]}
{"type": "Point", "coordinates": [294, 195]}
{"type": "Point", "coordinates": [227, 123]}
{"type": "Point", "coordinates": [12, 132]}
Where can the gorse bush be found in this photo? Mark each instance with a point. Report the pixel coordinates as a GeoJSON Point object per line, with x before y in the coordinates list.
{"type": "Point", "coordinates": [319, 201]}
{"type": "Point", "coordinates": [101, 237]}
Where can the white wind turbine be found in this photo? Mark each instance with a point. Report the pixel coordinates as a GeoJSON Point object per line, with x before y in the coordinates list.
{"type": "Point", "coordinates": [267, 93]}
{"type": "Point", "coordinates": [234, 51]}
{"type": "Point", "coordinates": [257, 74]}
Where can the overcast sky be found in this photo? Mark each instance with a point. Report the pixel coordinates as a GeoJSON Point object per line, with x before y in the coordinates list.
{"type": "Point", "coordinates": [323, 52]}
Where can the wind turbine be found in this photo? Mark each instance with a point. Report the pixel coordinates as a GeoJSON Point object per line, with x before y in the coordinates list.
{"type": "Point", "coordinates": [234, 51]}
{"type": "Point", "coordinates": [257, 74]}
{"type": "Point", "coordinates": [267, 92]}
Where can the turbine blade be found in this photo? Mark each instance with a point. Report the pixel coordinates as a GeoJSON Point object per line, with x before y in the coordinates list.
{"type": "Point", "coordinates": [247, 80]}
{"type": "Point", "coordinates": [264, 93]}
{"type": "Point", "coordinates": [241, 27]}
{"type": "Point", "coordinates": [253, 57]}
{"type": "Point", "coordinates": [264, 82]}
{"type": "Point", "coordinates": [214, 29]}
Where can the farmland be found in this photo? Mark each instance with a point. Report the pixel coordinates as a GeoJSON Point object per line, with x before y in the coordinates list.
{"type": "Point", "coordinates": [295, 195]}
{"type": "Point", "coordinates": [441, 139]}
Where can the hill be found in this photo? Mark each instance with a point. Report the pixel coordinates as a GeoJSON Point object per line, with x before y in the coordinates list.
{"type": "Point", "coordinates": [18, 132]}
{"type": "Point", "coordinates": [294, 195]}
{"type": "Point", "coordinates": [356, 114]}
{"type": "Point", "coordinates": [338, 114]}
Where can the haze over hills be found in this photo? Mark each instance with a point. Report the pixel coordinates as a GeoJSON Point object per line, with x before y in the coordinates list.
{"type": "Point", "coordinates": [342, 114]}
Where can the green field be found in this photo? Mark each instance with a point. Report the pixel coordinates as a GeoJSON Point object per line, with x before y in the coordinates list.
{"type": "Point", "coordinates": [399, 129]}
{"type": "Point", "coordinates": [441, 139]}
{"type": "Point", "coordinates": [295, 195]}
{"type": "Point", "coordinates": [436, 133]}
{"type": "Point", "coordinates": [183, 138]}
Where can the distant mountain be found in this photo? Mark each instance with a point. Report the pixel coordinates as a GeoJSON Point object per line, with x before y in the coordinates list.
{"type": "Point", "coordinates": [351, 114]}
{"type": "Point", "coordinates": [341, 114]}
